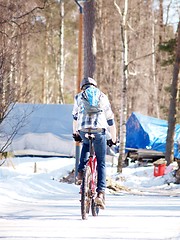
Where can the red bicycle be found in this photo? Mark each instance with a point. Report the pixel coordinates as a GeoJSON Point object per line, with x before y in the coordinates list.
{"type": "Point", "coordinates": [89, 183]}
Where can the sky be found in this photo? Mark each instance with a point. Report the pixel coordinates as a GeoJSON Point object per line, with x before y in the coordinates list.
{"type": "Point", "coordinates": [171, 13]}
{"type": "Point", "coordinates": [35, 204]}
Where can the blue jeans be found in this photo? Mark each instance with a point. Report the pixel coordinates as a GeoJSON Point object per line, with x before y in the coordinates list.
{"type": "Point", "coordinates": [100, 150]}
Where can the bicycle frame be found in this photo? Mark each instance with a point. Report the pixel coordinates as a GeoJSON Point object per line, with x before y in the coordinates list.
{"type": "Point", "coordinates": [88, 186]}
{"type": "Point", "coordinates": [92, 162]}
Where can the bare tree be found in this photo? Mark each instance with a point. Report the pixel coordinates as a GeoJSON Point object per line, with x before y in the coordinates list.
{"type": "Point", "coordinates": [13, 56]}
{"type": "Point", "coordinates": [169, 156]}
{"type": "Point", "coordinates": [62, 63]}
{"type": "Point", "coordinates": [89, 23]}
{"type": "Point", "coordinates": [123, 110]}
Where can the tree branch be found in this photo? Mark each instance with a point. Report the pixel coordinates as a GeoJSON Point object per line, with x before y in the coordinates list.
{"type": "Point", "coordinates": [144, 56]}
{"type": "Point", "coordinates": [24, 14]}
{"type": "Point", "coordinates": [34, 9]}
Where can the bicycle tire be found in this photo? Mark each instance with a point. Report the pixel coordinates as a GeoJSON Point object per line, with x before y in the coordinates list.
{"type": "Point", "coordinates": [94, 208]}
{"type": "Point", "coordinates": [86, 193]}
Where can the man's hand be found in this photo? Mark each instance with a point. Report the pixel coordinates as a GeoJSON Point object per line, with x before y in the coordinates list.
{"type": "Point", "coordinates": [77, 137]}
{"type": "Point", "coordinates": [110, 142]}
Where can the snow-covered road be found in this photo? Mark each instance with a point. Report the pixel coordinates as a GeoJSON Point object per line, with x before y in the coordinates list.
{"type": "Point", "coordinates": [33, 206]}
{"type": "Point", "coordinates": [125, 217]}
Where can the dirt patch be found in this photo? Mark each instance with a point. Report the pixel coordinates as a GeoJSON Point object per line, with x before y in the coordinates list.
{"type": "Point", "coordinates": [70, 178]}
{"type": "Point", "coordinates": [111, 184]}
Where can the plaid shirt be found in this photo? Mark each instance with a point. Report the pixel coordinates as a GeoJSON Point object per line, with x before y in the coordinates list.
{"type": "Point", "coordinates": [94, 120]}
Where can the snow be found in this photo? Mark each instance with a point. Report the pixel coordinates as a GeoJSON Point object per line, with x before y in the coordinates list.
{"type": "Point", "coordinates": [36, 205]}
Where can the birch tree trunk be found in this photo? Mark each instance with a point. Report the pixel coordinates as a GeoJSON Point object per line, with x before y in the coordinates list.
{"type": "Point", "coordinates": [154, 74]}
{"type": "Point", "coordinates": [123, 110]}
{"type": "Point", "coordinates": [169, 156]}
{"type": "Point", "coordinates": [61, 68]}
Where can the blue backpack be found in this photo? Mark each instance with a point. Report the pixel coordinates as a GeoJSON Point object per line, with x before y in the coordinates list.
{"type": "Point", "coordinates": [91, 100]}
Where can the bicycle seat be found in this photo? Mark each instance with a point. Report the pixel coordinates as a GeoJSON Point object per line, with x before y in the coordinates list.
{"type": "Point", "coordinates": [89, 135]}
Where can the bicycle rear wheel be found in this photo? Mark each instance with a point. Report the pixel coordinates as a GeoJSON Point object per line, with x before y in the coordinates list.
{"type": "Point", "coordinates": [86, 193]}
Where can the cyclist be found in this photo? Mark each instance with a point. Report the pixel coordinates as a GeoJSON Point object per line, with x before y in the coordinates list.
{"type": "Point", "coordinates": [96, 124]}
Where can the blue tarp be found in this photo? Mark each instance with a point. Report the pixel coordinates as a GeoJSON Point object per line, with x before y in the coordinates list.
{"type": "Point", "coordinates": [149, 133]}
{"type": "Point", "coordinates": [44, 127]}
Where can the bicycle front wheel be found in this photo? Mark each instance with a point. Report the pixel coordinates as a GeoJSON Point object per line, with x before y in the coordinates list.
{"type": "Point", "coordinates": [86, 193]}
{"type": "Point", "coordinates": [94, 208]}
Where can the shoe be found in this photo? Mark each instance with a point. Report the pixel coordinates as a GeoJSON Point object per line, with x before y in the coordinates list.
{"type": "Point", "coordinates": [79, 177]}
{"type": "Point", "coordinates": [99, 200]}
